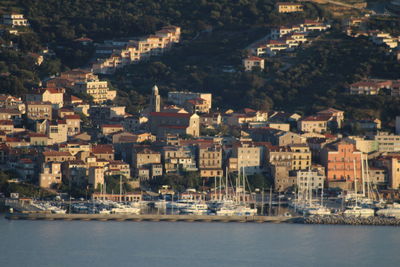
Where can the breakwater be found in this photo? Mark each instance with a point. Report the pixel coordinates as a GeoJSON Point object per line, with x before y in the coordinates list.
{"type": "Point", "coordinates": [378, 221]}
{"type": "Point", "coordinates": [151, 217]}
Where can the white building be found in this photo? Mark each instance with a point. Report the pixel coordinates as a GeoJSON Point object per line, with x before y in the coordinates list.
{"type": "Point", "coordinates": [308, 180]}
{"type": "Point", "coordinates": [15, 20]}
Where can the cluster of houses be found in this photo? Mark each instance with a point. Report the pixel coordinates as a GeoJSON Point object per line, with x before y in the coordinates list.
{"type": "Point", "coordinates": [356, 27]}
{"type": "Point", "coordinates": [115, 54]}
{"type": "Point", "coordinates": [374, 87]}
{"type": "Point", "coordinates": [287, 38]}
{"type": "Point", "coordinates": [50, 136]}
{"type": "Point", "coordinates": [282, 39]}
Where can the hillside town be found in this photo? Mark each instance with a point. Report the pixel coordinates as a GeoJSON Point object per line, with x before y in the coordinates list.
{"type": "Point", "coordinates": [51, 136]}
{"type": "Point", "coordinates": [201, 133]}
{"type": "Point", "coordinates": [71, 134]}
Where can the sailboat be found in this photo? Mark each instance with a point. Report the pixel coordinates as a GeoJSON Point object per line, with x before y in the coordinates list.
{"type": "Point", "coordinates": [356, 210]}
{"type": "Point", "coordinates": [320, 210]}
{"type": "Point", "coordinates": [238, 207]}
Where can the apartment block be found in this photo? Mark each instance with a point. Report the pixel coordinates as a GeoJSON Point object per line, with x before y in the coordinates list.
{"type": "Point", "coordinates": [342, 162]}
{"type": "Point", "coordinates": [50, 175]}
{"type": "Point", "coordinates": [210, 161]}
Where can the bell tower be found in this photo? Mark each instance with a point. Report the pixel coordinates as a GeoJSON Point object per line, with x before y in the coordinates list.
{"type": "Point", "coordinates": [155, 100]}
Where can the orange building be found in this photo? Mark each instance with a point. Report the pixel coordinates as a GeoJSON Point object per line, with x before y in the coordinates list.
{"type": "Point", "coordinates": [339, 160]}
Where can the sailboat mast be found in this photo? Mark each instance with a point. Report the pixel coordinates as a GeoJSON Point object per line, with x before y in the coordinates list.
{"type": "Point", "coordinates": [367, 176]}
{"type": "Point", "coordinates": [309, 189]}
{"type": "Point", "coordinates": [362, 174]}
{"type": "Point", "coordinates": [120, 188]}
{"type": "Point", "coordinates": [226, 183]}
{"type": "Point", "coordinates": [322, 194]}
{"type": "Point", "coordinates": [355, 180]}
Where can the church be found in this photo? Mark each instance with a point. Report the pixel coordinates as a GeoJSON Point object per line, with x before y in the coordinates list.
{"type": "Point", "coordinates": [163, 122]}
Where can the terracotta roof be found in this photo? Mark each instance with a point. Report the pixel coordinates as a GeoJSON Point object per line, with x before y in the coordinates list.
{"type": "Point", "coordinates": [65, 110]}
{"type": "Point", "coordinates": [316, 118]}
{"type": "Point", "coordinates": [75, 98]}
{"type": "Point", "coordinates": [72, 117]}
{"type": "Point", "coordinates": [83, 39]}
{"type": "Point", "coordinates": [38, 103]}
{"type": "Point", "coordinates": [76, 71]}
{"type": "Point", "coordinates": [56, 153]}
{"type": "Point", "coordinates": [372, 83]}
{"type": "Point", "coordinates": [249, 110]}
{"type": "Point", "coordinates": [329, 111]}
{"type": "Point", "coordinates": [147, 151]}
{"type": "Point", "coordinates": [112, 126]}
{"type": "Point", "coordinates": [170, 114]}
{"type": "Point", "coordinates": [13, 139]}
{"type": "Point", "coordinates": [253, 58]}
{"type": "Point", "coordinates": [76, 162]}
{"type": "Point", "coordinates": [103, 149]}
{"type": "Point", "coordinates": [36, 135]}
{"type": "Point", "coordinates": [173, 126]}
{"type": "Point", "coordinates": [275, 42]}
{"type": "Point", "coordinates": [6, 122]}
{"type": "Point", "coordinates": [25, 161]}
{"type": "Point", "coordinates": [196, 101]}
{"type": "Point", "coordinates": [288, 4]}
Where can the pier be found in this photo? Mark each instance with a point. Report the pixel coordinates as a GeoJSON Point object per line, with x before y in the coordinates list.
{"type": "Point", "coordinates": [151, 217]}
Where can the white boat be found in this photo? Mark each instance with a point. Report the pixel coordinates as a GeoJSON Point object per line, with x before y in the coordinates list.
{"type": "Point", "coordinates": [180, 204]}
{"type": "Point", "coordinates": [245, 211]}
{"type": "Point", "coordinates": [58, 211]}
{"type": "Point", "coordinates": [104, 211]}
{"type": "Point", "coordinates": [390, 211]}
{"type": "Point", "coordinates": [125, 210]}
{"type": "Point", "coordinates": [225, 211]}
{"type": "Point", "coordinates": [236, 210]}
{"type": "Point", "coordinates": [196, 209]}
{"type": "Point", "coordinates": [319, 211]}
{"type": "Point", "coordinates": [357, 211]}
{"type": "Point", "coordinates": [161, 204]}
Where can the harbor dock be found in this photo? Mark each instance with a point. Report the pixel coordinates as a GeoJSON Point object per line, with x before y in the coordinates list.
{"type": "Point", "coordinates": [151, 217]}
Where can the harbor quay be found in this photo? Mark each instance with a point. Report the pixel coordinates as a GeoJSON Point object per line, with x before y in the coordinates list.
{"type": "Point", "coordinates": [150, 217]}
{"type": "Point", "coordinates": [328, 220]}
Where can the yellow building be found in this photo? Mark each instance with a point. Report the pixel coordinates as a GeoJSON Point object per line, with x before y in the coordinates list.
{"type": "Point", "coordinates": [57, 131]}
{"type": "Point", "coordinates": [38, 110]}
{"type": "Point", "coordinates": [107, 129]}
{"type": "Point", "coordinates": [50, 175]}
{"type": "Point", "coordinates": [55, 96]}
{"type": "Point", "coordinates": [314, 124]}
{"type": "Point", "coordinates": [97, 89]}
{"type": "Point", "coordinates": [288, 7]}
{"type": "Point", "coordinates": [210, 161]}
{"type": "Point", "coordinates": [297, 157]}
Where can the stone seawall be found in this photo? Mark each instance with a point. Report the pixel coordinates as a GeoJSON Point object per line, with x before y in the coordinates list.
{"type": "Point", "coordinates": [151, 217]}
{"type": "Point", "coordinates": [378, 221]}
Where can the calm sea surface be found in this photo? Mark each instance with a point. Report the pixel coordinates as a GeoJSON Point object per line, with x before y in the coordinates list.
{"type": "Point", "coordinates": [80, 243]}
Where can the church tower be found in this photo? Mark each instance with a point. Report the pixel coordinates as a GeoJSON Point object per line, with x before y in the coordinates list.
{"type": "Point", "coordinates": [155, 101]}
